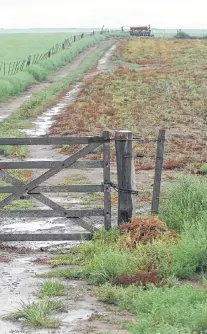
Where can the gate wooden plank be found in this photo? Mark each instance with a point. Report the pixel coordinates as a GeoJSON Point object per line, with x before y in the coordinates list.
{"type": "Point", "coordinates": [45, 237]}
{"type": "Point", "coordinates": [10, 178]}
{"type": "Point", "coordinates": [49, 164]}
{"type": "Point", "coordinates": [51, 213]}
{"type": "Point", "coordinates": [41, 198]}
{"type": "Point", "coordinates": [51, 140]}
{"type": "Point", "coordinates": [87, 226]}
{"type": "Point", "coordinates": [79, 188]}
{"type": "Point", "coordinates": [107, 179]}
{"type": "Point", "coordinates": [52, 204]}
{"type": "Point", "coordinates": [63, 164]}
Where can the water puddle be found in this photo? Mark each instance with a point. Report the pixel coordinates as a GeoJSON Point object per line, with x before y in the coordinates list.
{"type": "Point", "coordinates": [45, 120]}
{"type": "Point", "coordinates": [81, 314]}
{"type": "Point", "coordinates": [103, 62]}
{"type": "Point", "coordinates": [33, 226]}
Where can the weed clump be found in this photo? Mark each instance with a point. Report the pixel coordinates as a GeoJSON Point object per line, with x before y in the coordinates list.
{"type": "Point", "coordinates": [145, 229]}
{"type": "Point", "coordinates": [39, 314]}
{"type": "Point", "coordinates": [143, 278]}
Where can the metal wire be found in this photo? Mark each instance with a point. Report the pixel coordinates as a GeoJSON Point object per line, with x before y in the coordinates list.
{"type": "Point", "coordinates": [139, 139]}
{"type": "Point", "coordinates": [118, 189]}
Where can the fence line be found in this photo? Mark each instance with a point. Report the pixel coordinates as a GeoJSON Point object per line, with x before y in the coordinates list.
{"type": "Point", "coordinates": [12, 68]}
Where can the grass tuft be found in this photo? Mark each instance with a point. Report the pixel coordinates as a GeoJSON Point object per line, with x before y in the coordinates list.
{"type": "Point", "coordinates": [51, 289]}
{"type": "Point", "coordinates": [39, 314]}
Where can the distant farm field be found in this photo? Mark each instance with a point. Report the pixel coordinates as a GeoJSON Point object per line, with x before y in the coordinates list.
{"type": "Point", "coordinates": [14, 47]}
{"type": "Point", "coordinates": [17, 50]}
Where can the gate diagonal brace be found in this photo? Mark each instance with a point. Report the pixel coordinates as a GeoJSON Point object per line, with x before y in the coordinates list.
{"type": "Point", "coordinates": [26, 188]}
{"type": "Point", "coordinates": [22, 188]}
{"type": "Point", "coordinates": [45, 200]}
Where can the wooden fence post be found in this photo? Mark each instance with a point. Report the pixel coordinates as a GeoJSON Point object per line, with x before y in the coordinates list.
{"type": "Point", "coordinates": [125, 176]}
{"type": "Point", "coordinates": [107, 180]}
{"type": "Point", "coordinates": [158, 172]}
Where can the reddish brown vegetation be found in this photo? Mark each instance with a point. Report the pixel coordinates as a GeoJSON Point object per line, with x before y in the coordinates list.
{"type": "Point", "coordinates": [144, 100]}
{"type": "Point", "coordinates": [146, 229]}
{"type": "Point", "coordinates": [4, 259]}
{"type": "Point", "coordinates": [141, 277]}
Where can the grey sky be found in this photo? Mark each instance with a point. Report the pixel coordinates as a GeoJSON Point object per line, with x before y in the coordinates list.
{"type": "Point", "coordinates": [92, 13]}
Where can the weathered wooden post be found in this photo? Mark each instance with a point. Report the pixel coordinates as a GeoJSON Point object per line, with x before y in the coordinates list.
{"type": "Point", "coordinates": [107, 180]}
{"type": "Point", "coordinates": [125, 176]}
{"type": "Point", "coordinates": [158, 172]}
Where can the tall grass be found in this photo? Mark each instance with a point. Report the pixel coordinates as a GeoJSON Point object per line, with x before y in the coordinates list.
{"type": "Point", "coordinates": [186, 202]}
{"type": "Point", "coordinates": [13, 85]}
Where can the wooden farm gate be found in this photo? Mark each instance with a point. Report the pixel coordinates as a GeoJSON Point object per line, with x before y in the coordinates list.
{"type": "Point", "coordinates": [36, 190]}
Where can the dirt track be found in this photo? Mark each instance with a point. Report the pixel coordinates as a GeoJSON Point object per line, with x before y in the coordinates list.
{"type": "Point", "coordinates": [18, 283]}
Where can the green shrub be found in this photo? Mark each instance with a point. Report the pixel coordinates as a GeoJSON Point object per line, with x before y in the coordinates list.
{"type": "Point", "coordinates": [110, 263]}
{"type": "Point", "coordinates": [38, 72]}
{"type": "Point", "coordinates": [179, 309]}
{"type": "Point", "coordinates": [182, 35]}
{"type": "Point", "coordinates": [20, 81]}
{"type": "Point", "coordinates": [190, 255]}
{"type": "Point", "coordinates": [6, 89]}
{"type": "Point", "coordinates": [158, 254]}
{"type": "Point", "coordinates": [186, 202]}
{"type": "Point", "coordinates": [203, 169]}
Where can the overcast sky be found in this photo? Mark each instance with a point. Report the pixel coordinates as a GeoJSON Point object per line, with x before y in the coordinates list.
{"type": "Point", "coordinates": [112, 13]}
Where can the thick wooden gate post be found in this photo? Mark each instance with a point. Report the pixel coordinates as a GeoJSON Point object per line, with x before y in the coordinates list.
{"type": "Point", "coordinates": [158, 172]}
{"type": "Point", "coordinates": [125, 176]}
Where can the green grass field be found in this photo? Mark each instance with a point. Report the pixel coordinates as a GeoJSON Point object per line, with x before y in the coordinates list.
{"type": "Point", "coordinates": [14, 84]}
{"type": "Point", "coordinates": [14, 47]}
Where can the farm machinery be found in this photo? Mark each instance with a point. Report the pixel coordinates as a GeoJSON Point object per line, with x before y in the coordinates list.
{"type": "Point", "coordinates": [139, 31]}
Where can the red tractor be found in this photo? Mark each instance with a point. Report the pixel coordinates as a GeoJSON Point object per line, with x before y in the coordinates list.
{"type": "Point", "coordinates": [140, 31]}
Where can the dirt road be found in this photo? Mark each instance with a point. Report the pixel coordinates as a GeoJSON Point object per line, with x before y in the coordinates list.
{"type": "Point", "coordinates": [18, 266]}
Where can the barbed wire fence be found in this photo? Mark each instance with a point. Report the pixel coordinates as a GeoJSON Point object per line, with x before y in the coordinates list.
{"type": "Point", "coordinates": [12, 68]}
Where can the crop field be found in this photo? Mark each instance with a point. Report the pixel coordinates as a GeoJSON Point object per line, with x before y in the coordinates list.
{"type": "Point", "coordinates": [15, 47]}
{"type": "Point", "coordinates": [158, 83]}
{"type": "Point", "coordinates": [25, 45]}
